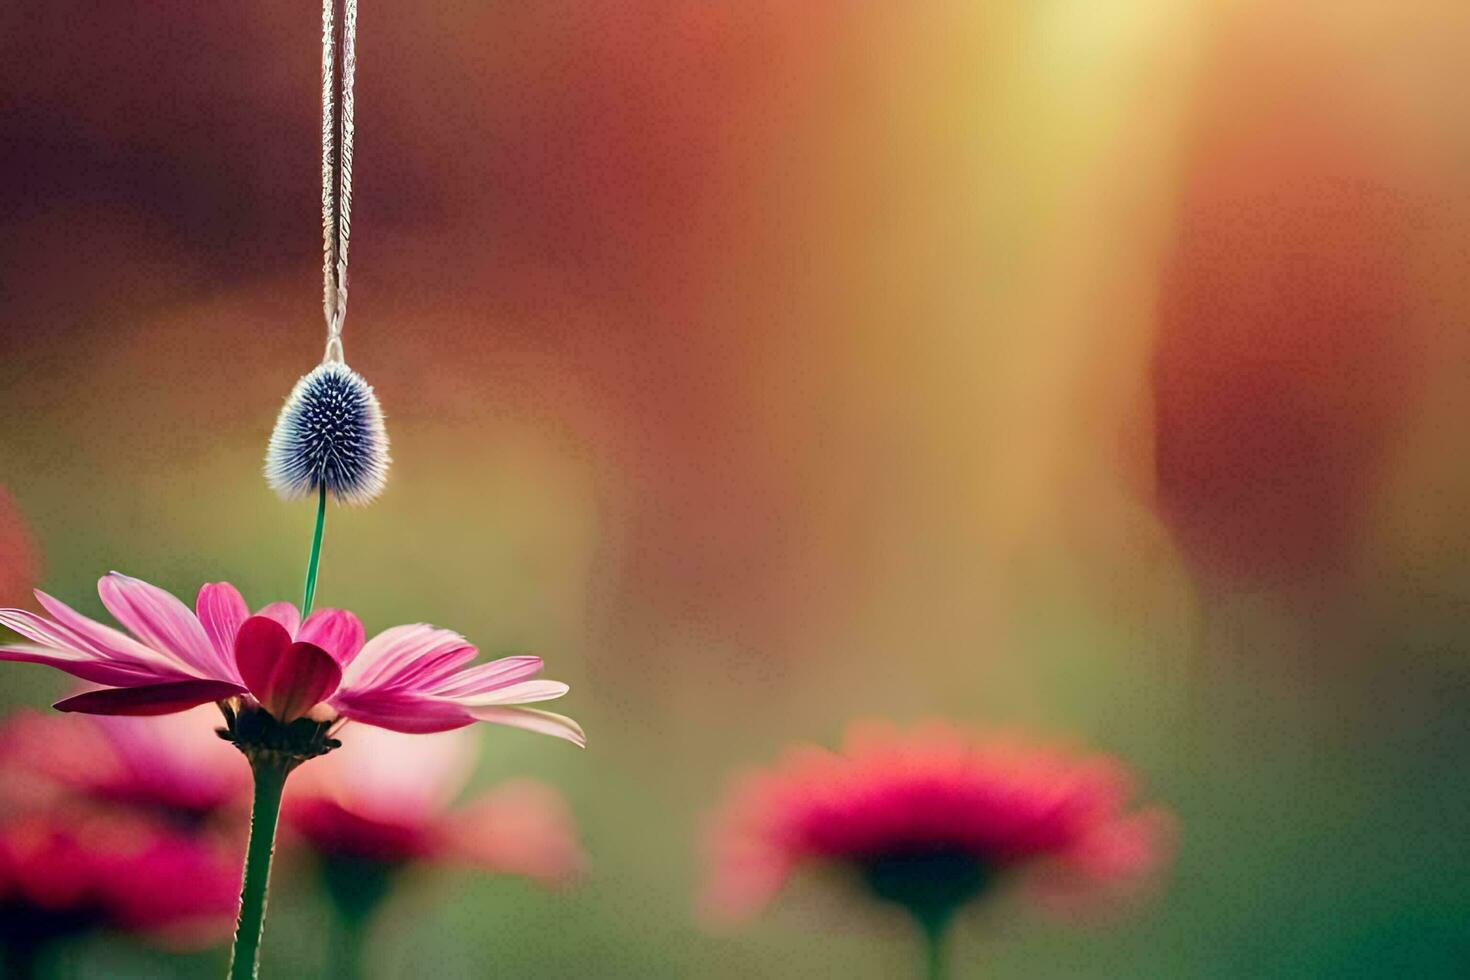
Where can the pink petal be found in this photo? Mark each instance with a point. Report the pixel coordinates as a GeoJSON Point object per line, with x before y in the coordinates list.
{"type": "Point", "coordinates": [110, 644]}
{"type": "Point", "coordinates": [45, 632]}
{"type": "Point", "coordinates": [526, 692]}
{"type": "Point", "coordinates": [533, 720]}
{"type": "Point", "coordinates": [520, 827]}
{"type": "Point", "coordinates": [398, 712]}
{"type": "Point", "coordinates": [336, 631]}
{"type": "Point", "coordinates": [172, 760]}
{"type": "Point", "coordinates": [1126, 848]}
{"type": "Point", "coordinates": [1110, 869]}
{"type": "Point", "coordinates": [303, 678]}
{"type": "Point", "coordinates": [127, 662]}
{"type": "Point", "coordinates": [284, 613]}
{"type": "Point", "coordinates": [259, 644]}
{"type": "Point", "coordinates": [150, 699]}
{"type": "Point", "coordinates": [427, 671]}
{"type": "Point", "coordinates": [404, 680]}
{"type": "Point", "coordinates": [390, 777]}
{"type": "Point", "coordinates": [221, 609]}
{"type": "Point", "coordinates": [483, 678]}
{"type": "Point", "coordinates": [159, 619]}
{"type": "Point", "coordinates": [394, 651]}
{"type": "Point", "coordinates": [287, 678]}
{"type": "Point", "coordinates": [77, 664]}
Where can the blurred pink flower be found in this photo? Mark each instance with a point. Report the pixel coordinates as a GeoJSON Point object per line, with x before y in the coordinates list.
{"type": "Point", "coordinates": [930, 819]}
{"type": "Point", "coordinates": [169, 765]}
{"type": "Point", "coordinates": [75, 869]}
{"type": "Point", "coordinates": [407, 678]}
{"type": "Point", "coordinates": [388, 798]}
{"type": "Point", "coordinates": [118, 823]}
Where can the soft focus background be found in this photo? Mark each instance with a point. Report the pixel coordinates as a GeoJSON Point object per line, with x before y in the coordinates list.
{"type": "Point", "coordinates": [1091, 368]}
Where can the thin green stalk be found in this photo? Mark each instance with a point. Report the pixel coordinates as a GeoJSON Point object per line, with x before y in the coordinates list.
{"type": "Point", "coordinates": [316, 551]}
{"type": "Point", "coordinates": [270, 782]}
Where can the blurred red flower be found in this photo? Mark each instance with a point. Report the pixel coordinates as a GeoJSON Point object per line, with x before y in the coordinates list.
{"type": "Point", "coordinates": [118, 824]}
{"type": "Point", "coordinates": [1293, 333]}
{"type": "Point", "coordinates": [931, 819]}
{"type": "Point", "coordinates": [388, 798]}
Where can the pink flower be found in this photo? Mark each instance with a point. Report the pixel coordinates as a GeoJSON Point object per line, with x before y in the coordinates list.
{"type": "Point", "coordinates": [408, 678]}
{"type": "Point", "coordinates": [931, 819]}
{"type": "Point", "coordinates": [117, 823]}
{"type": "Point", "coordinates": [388, 798]}
{"type": "Point", "coordinates": [76, 870]}
{"type": "Point", "coordinates": [170, 766]}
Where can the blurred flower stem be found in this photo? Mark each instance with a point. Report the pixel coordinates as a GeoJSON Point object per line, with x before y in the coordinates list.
{"type": "Point", "coordinates": [23, 957]}
{"type": "Point", "coordinates": [356, 887]}
{"type": "Point", "coordinates": [270, 781]}
{"type": "Point", "coordinates": [936, 946]}
{"type": "Point", "coordinates": [313, 562]}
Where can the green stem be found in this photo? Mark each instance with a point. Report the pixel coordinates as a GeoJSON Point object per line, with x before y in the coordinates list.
{"type": "Point", "coordinates": [316, 551]}
{"type": "Point", "coordinates": [270, 781]}
{"type": "Point", "coordinates": [356, 888]}
{"type": "Point", "coordinates": [349, 941]}
{"type": "Point", "coordinates": [936, 948]}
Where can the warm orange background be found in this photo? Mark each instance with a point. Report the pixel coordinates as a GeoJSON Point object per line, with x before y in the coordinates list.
{"type": "Point", "coordinates": [1097, 368]}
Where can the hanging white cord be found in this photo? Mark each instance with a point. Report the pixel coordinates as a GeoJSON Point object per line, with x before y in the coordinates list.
{"type": "Point", "coordinates": [338, 69]}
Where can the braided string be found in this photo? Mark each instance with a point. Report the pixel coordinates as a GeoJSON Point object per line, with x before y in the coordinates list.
{"type": "Point", "coordinates": [339, 66]}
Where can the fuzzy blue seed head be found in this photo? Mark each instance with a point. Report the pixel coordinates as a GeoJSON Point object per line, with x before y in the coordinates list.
{"type": "Point", "coordinates": [330, 433]}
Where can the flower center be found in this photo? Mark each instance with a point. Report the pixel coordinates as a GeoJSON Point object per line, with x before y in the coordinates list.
{"type": "Point", "coordinates": [255, 732]}
{"type": "Point", "coordinates": [26, 928]}
{"type": "Point", "coordinates": [931, 884]}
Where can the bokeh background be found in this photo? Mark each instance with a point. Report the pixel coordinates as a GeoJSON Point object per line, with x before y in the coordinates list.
{"type": "Point", "coordinates": [1091, 368]}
